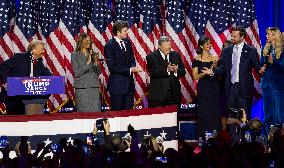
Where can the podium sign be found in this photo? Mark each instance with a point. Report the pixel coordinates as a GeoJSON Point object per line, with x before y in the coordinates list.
{"type": "Point", "coordinates": [42, 85]}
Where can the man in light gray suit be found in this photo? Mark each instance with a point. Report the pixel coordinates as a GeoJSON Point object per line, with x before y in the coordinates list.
{"type": "Point", "coordinates": [86, 71]}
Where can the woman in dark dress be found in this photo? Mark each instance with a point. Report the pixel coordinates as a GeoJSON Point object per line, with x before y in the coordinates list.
{"type": "Point", "coordinates": [208, 90]}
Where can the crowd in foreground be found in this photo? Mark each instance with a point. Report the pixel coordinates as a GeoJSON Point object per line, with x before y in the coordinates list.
{"type": "Point", "coordinates": [216, 151]}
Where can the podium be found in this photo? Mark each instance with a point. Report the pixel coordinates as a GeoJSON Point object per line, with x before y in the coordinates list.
{"type": "Point", "coordinates": [34, 106]}
{"type": "Point", "coordinates": [35, 91]}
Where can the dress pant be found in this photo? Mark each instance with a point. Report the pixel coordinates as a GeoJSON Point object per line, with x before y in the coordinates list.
{"type": "Point", "coordinates": [273, 107]}
{"type": "Point", "coordinates": [237, 102]}
{"type": "Point", "coordinates": [169, 100]}
{"type": "Point", "coordinates": [122, 101]}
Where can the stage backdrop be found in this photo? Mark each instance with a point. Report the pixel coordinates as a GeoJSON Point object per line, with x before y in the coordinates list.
{"type": "Point", "coordinates": [58, 22]}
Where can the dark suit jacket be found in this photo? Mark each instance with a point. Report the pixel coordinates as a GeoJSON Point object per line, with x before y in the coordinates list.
{"type": "Point", "coordinates": [20, 66]}
{"type": "Point", "coordinates": [119, 63]}
{"type": "Point", "coordinates": [248, 61]}
{"type": "Point", "coordinates": [160, 81]}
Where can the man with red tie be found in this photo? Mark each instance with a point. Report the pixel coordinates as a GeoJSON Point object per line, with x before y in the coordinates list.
{"type": "Point", "coordinates": [28, 64]}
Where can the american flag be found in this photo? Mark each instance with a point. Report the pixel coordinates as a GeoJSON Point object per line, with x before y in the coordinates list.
{"type": "Point", "coordinates": [99, 29]}
{"type": "Point", "coordinates": [195, 21]}
{"type": "Point", "coordinates": [219, 24]}
{"type": "Point", "coordinates": [244, 15]}
{"type": "Point", "coordinates": [50, 34]}
{"type": "Point", "coordinates": [128, 10]}
{"type": "Point", "coordinates": [58, 23]}
{"type": "Point", "coordinates": [175, 28]}
{"type": "Point", "coordinates": [7, 16]}
{"type": "Point", "coordinates": [72, 23]}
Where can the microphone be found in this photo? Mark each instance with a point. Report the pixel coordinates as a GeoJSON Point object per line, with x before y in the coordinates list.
{"type": "Point", "coordinates": [96, 56]}
{"type": "Point", "coordinates": [103, 59]}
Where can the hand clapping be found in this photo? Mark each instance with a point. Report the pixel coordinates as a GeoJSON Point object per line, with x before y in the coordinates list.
{"type": "Point", "coordinates": [135, 69]}
{"type": "Point", "coordinates": [172, 68]}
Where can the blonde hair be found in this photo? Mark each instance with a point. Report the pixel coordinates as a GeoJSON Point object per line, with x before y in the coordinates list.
{"type": "Point", "coordinates": [278, 44]}
{"type": "Point", "coordinates": [33, 44]}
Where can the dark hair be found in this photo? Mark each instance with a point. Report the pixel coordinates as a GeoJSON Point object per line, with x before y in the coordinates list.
{"type": "Point", "coordinates": [226, 44]}
{"type": "Point", "coordinates": [201, 41]}
{"type": "Point", "coordinates": [241, 30]}
{"type": "Point", "coordinates": [118, 26]}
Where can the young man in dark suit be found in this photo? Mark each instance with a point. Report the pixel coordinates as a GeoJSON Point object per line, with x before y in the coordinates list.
{"type": "Point", "coordinates": [28, 64]}
{"type": "Point", "coordinates": [237, 63]}
{"type": "Point", "coordinates": [165, 68]}
{"type": "Point", "coordinates": [121, 64]}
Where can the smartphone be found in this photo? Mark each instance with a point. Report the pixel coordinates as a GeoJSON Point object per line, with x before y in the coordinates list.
{"type": "Point", "coordinates": [85, 149]}
{"type": "Point", "coordinates": [109, 159]}
{"type": "Point", "coordinates": [162, 159]}
{"type": "Point", "coordinates": [89, 139]}
{"type": "Point", "coordinates": [3, 141]}
{"type": "Point", "coordinates": [100, 123]}
{"type": "Point", "coordinates": [248, 136]}
{"type": "Point", "coordinates": [208, 135]}
{"type": "Point", "coordinates": [54, 147]}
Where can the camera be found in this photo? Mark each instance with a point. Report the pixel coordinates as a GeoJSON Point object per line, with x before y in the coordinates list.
{"type": "Point", "coordinates": [127, 137]}
{"type": "Point", "coordinates": [208, 135]}
{"type": "Point", "coordinates": [234, 113]}
{"type": "Point", "coordinates": [248, 136]}
{"type": "Point", "coordinates": [100, 124]}
{"type": "Point", "coordinates": [89, 139]}
{"type": "Point", "coordinates": [85, 149]}
{"type": "Point", "coordinates": [3, 141]}
{"type": "Point", "coordinates": [54, 147]}
{"type": "Point", "coordinates": [159, 139]}
{"type": "Point", "coordinates": [162, 159]}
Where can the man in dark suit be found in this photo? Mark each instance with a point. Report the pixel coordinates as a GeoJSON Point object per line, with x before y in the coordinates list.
{"type": "Point", "coordinates": [27, 64]}
{"type": "Point", "coordinates": [237, 63]}
{"type": "Point", "coordinates": [165, 68]}
{"type": "Point", "coordinates": [121, 64]}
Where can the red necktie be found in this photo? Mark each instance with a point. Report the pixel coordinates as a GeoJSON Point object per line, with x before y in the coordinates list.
{"type": "Point", "coordinates": [34, 64]}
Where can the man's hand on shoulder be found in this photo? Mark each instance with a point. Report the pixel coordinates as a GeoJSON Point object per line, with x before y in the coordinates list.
{"type": "Point", "coordinates": [262, 69]}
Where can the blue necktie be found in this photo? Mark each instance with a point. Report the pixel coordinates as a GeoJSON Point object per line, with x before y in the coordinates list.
{"type": "Point", "coordinates": [234, 65]}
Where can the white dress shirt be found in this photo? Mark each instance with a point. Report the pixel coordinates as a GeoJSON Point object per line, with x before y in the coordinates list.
{"type": "Point", "coordinates": [166, 58]}
{"type": "Point", "coordinates": [121, 42]}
